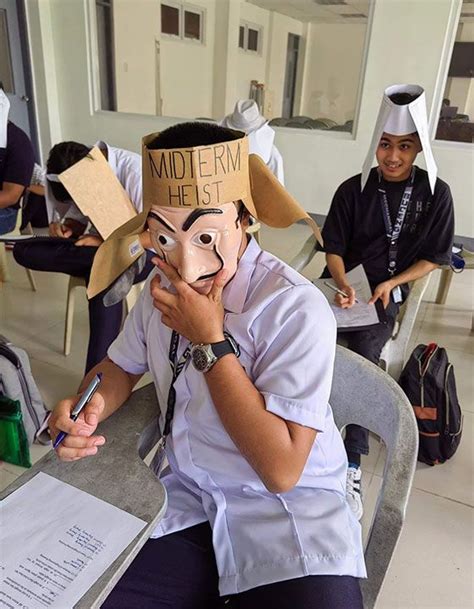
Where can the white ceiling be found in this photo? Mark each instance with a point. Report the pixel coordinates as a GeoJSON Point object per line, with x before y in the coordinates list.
{"type": "Point", "coordinates": [336, 11]}
{"type": "Point", "coordinates": [319, 11]}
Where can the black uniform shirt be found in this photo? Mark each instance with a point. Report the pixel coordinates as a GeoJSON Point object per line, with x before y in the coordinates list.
{"type": "Point", "coordinates": [17, 159]}
{"type": "Point", "coordinates": [355, 230]}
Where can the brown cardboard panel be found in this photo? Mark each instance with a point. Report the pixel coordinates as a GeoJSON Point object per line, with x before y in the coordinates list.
{"type": "Point", "coordinates": [200, 176]}
{"type": "Point", "coordinates": [98, 193]}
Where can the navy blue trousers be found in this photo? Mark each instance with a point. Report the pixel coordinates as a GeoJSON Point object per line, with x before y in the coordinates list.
{"type": "Point", "coordinates": [368, 343]}
{"type": "Point", "coordinates": [62, 256]}
{"type": "Point", "coordinates": [179, 571]}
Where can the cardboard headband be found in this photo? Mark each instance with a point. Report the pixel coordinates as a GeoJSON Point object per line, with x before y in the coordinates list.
{"type": "Point", "coordinates": [402, 120]}
{"type": "Point", "coordinates": [199, 176]}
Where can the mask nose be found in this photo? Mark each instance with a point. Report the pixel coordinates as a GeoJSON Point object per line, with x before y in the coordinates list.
{"type": "Point", "coordinates": [190, 267]}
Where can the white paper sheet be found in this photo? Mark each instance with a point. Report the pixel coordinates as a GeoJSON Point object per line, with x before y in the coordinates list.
{"type": "Point", "coordinates": [360, 314]}
{"type": "Point", "coordinates": [55, 542]}
{"type": "Point", "coordinates": [14, 238]}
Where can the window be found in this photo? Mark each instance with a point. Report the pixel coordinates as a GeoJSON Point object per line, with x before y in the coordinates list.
{"type": "Point", "coordinates": [241, 37]}
{"type": "Point", "coordinates": [105, 54]}
{"type": "Point", "coordinates": [169, 20]}
{"type": "Point", "coordinates": [182, 21]}
{"type": "Point", "coordinates": [192, 25]}
{"type": "Point", "coordinates": [6, 71]}
{"type": "Point", "coordinates": [456, 117]}
{"type": "Point", "coordinates": [250, 37]}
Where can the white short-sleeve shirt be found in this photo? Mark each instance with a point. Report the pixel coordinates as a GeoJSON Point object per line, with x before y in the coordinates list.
{"type": "Point", "coordinates": [286, 333]}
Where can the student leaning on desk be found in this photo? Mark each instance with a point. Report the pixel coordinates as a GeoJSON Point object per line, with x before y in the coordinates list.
{"type": "Point", "coordinates": [257, 468]}
{"type": "Point", "coordinates": [76, 238]}
{"type": "Point", "coordinates": [396, 220]}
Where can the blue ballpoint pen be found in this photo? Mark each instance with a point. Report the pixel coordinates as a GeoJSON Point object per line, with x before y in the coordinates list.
{"type": "Point", "coordinates": [83, 401]}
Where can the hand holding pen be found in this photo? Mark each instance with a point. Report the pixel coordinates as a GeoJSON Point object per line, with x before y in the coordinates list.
{"type": "Point", "coordinates": [338, 291]}
{"type": "Point", "coordinates": [83, 401]}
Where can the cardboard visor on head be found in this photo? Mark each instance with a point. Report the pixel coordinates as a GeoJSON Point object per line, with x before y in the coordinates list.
{"type": "Point", "coordinates": [199, 176]}
{"type": "Point", "coordinates": [399, 120]}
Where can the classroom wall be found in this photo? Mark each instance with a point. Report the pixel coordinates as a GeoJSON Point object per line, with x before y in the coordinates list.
{"type": "Point", "coordinates": [279, 28]}
{"type": "Point", "coordinates": [315, 162]}
{"type": "Point", "coordinates": [251, 66]}
{"type": "Point", "coordinates": [335, 54]}
{"type": "Point", "coordinates": [134, 49]}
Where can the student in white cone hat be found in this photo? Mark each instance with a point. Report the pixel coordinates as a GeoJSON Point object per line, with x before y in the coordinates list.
{"type": "Point", "coordinates": [241, 350]}
{"type": "Point", "coordinates": [396, 220]}
{"type": "Point", "coordinates": [246, 117]}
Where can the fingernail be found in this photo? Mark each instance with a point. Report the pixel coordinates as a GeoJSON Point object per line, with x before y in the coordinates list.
{"type": "Point", "coordinates": [91, 419]}
{"type": "Point", "coordinates": [91, 451]}
{"type": "Point", "coordinates": [99, 442]}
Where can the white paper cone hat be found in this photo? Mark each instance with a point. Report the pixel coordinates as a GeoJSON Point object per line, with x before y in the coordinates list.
{"type": "Point", "coordinates": [4, 110]}
{"type": "Point", "coordinates": [402, 120]}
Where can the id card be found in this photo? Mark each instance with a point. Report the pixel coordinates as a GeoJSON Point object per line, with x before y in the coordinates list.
{"type": "Point", "coordinates": [397, 295]}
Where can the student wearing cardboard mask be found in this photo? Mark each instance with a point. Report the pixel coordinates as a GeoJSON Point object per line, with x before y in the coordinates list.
{"type": "Point", "coordinates": [398, 221]}
{"type": "Point", "coordinates": [241, 350]}
{"type": "Point", "coordinates": [76, 238]}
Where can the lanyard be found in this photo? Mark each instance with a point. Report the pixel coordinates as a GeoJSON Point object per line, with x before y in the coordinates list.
{"type": "Point", "coordinates": [393, 230]}
{"type": "Point", "coordinates": [176, 367]}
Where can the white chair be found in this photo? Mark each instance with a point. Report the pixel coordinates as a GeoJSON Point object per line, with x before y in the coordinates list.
{"type": "Point", "coordinates": [447, 275]}
{"type": "Point", "coordinates": [4, 274]}
{"type": "Point", "coordinates": [394, 353]}
{"type": "Point", "coordinates": [79, 282]}
{"type": "Point", "coordinates": [361, 394]}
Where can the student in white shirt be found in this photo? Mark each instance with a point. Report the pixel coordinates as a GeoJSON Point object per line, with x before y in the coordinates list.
{"type": "Point", "coordinates": [257, 469]}
{"type": "Point", "coordinates": [76, 239]}
{"type": "Point", "coordinates": [246, 117]}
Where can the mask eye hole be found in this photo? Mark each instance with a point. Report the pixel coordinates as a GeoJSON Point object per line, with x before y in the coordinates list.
{"type": "Point", "coordinates": [165, 241]}
{"type": "Point", "coordinates": [205, 239]}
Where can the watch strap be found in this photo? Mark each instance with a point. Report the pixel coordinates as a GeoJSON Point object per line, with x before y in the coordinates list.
{"type": "Point", "coordinates": [222, 348]}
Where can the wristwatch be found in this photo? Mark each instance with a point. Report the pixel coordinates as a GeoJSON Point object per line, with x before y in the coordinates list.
{"type": "Point", "coordinates": [205, 356]}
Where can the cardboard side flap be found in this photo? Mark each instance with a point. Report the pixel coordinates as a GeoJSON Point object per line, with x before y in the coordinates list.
{"type": "Point", "coordinates": [98, 193]}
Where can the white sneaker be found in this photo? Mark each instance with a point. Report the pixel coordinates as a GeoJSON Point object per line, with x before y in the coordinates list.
{"type": "Point", "coordinates": [353, 493]}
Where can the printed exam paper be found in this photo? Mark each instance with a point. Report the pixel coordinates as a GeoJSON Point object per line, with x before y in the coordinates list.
{"type": "Point", "coordinates": [55, 542]}
{"type": "Point", "coordinates": [361, 313]}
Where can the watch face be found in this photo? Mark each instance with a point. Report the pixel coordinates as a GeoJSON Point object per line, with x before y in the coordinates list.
{"type": "Point", "coordinates": [200, 359]}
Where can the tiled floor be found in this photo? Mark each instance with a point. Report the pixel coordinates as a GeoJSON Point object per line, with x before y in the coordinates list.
{"type": "Point", "coordinates": [433, 564]}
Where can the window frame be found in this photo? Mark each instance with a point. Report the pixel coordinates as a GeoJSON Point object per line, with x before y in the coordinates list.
{"type": "Point", "coordinates": [252, 26]}
{"type": "Point", "coordinates": [184, 7]}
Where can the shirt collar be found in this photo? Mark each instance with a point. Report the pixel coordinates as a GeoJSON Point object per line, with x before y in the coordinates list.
{"type": "Point", "coordinates": [234, 294]}
{"type": "Point", "coordinates": [110, 154]}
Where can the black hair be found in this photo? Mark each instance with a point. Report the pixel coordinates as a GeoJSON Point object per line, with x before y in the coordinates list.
{"type": "Point", "coordinates": [402, 99]}
{"type": "Point", "coordinates": [61, 157]}
{"type": "Point", "coordinates": [192, 134]}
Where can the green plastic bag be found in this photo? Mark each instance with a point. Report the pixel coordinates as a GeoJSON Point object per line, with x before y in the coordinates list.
{"type": "Point", "coordinates": [13, 441]}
